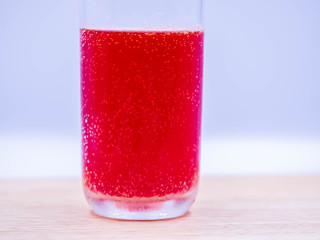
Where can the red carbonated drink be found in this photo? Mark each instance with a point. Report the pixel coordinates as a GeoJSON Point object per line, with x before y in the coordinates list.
{"type": "Point", "coordinates": [141, 94]}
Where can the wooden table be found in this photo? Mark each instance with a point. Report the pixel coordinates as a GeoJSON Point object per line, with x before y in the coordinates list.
{"type": "Point", "coordinates": [226, 208]}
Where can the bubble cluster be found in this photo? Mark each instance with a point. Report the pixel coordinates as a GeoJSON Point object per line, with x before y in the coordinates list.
{"type": "Point", "coordinates": [141, 112]}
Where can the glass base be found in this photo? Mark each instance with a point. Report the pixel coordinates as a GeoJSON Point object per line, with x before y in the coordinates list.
{"type": "Point", "coordinates": [155, 210]}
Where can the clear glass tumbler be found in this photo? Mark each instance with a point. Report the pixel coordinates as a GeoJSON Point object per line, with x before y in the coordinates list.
{"type": "Point", "coordinates": [141, 98]}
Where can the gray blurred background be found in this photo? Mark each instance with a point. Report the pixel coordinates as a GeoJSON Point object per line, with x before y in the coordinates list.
{"type": "Point", "coordinates": [261, 88]}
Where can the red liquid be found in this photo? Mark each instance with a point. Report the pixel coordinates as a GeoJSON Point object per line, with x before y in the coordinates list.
{"type": "Point", "coordinates": [141, 112]}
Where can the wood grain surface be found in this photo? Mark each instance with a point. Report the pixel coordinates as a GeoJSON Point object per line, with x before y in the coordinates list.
{"type": "Point", "coordinates": [226, 208]}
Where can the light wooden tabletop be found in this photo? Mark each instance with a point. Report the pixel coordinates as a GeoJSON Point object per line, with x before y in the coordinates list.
{"type": "Point", "coordinates": [226, 208]}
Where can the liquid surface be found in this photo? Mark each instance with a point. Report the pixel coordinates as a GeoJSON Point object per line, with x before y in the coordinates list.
{"type": "Point", "coordinates": [141, 112]}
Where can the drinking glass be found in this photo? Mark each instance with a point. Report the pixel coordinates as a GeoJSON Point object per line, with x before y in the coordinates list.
{"type": "Point", "coordinates": [141, 98]}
